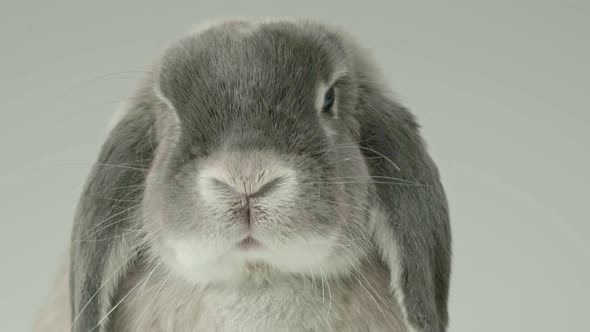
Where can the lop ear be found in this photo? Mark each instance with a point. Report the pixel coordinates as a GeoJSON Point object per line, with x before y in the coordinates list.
{"type": "Point", "coordinates": [412, 222]}
{"type": "Point", "coordinates": [106, 233]}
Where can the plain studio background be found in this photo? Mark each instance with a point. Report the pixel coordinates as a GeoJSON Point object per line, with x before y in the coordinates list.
{"type": "Point", "coordinates": [501, 88]}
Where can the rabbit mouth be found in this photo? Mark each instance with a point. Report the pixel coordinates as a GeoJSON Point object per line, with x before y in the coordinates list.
{"type": "Point", "coordinates": [249, 243]}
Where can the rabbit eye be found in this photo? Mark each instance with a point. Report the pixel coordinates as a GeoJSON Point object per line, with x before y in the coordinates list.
{"type": "Point", "coordinates": [329, 99]}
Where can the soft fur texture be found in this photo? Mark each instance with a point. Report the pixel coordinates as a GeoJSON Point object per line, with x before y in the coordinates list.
{"type": "Point", "coordinates": [227, 141]}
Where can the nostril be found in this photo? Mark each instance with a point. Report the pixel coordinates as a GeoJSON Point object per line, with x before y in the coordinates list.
{"type": "Point", "coordinates": [267, 187]}
{"type": "Point", "coordinates": [247, 193]}
{"type": "Point", "coordinates": [222, 185]}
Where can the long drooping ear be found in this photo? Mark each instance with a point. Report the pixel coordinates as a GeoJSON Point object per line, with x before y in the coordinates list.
{"type": "Point", "coordinates": [412, 220]}
{"type": "Point", "coordinates": [106, 234]}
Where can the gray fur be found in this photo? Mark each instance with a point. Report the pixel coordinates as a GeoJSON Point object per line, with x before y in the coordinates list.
{"type": "Point", "coordinates": [103, 247]}
{"type": "Point", "coordinates": [244, 92]}
{"type": "Point", "coordinates": [355, 303]}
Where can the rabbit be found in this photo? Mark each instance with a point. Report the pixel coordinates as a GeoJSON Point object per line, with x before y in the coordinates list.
{"type": "Point", "coordinates": [263, 178]}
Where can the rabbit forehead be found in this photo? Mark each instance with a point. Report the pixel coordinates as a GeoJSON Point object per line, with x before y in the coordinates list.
{"type": "Point", "coordinates": [244, 63]}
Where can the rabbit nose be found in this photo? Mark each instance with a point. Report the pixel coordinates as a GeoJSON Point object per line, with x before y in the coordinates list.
{"type": "Point", "coordinates": [246, 194]}
{"type": "Point", "coordinates": [247, 174]}
{"type": "Point", "coordinates": [246, 185]}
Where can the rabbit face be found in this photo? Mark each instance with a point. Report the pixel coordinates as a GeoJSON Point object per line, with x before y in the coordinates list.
{"type": "Point", "coordinates": [257, 171]}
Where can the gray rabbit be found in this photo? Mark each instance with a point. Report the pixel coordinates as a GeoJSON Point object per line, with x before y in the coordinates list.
{"type": "Point", "coordinates": [262, 179]}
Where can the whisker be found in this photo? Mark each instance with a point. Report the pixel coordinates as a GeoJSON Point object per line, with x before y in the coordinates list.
{"type": "Point", "coordinates": [141, 317]}
{"type": "Point", "coordinates": [145, 279]}
{"type": "Point", "coordinates": [369, 293]}
{"type": "Point", "coordinates": [329, 293]}
{"type": "Point", "coordinates": [373, 289]}
{"type": "Point", "coordinates": [359, 208]}
{"type": "Point", "coordinates": [105, 282]}
{"type": "Point", "coordinates": [133, 186]}
{"type": "Point", "coordinates": [383, 156]}
{"type": "Point", "coordinates": [127, 232]}
{"type": "Point", "coordinates": [115, 199]}
{"type": "Point", "coordinates": [381, 177]}
{"type": "Point", "coordinates": [99, 78]}
{"type": "Point", "coordinates": [372, 181]}
{"type": "Point", "coordinates": [109, 218]}
{"type": "Point", "coordinates": [118, 221]}
{"type": "Point", "coordinates": [142, 169]}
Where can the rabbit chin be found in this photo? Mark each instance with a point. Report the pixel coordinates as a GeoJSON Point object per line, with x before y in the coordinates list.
{"type": "Point", "coordinates": [204, 262]}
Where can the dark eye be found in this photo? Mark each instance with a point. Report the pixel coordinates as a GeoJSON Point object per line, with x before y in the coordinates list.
{"type": "Point", "coordinates": [329, 99]}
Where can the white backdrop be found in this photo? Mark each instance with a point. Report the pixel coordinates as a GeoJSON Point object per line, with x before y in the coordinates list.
{"type": "Point", "coordinates": [501, 88]}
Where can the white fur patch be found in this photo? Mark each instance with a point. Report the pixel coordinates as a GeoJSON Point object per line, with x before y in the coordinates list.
{"type": "Point", "coordinates": [386, 240]}
{"type": "Point", "coordinates": [119, 114]}
{"type": "Point", "coordinates": [203, 261]}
